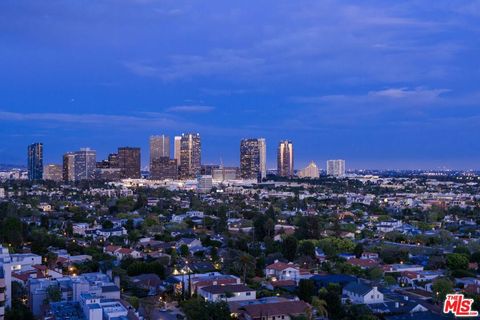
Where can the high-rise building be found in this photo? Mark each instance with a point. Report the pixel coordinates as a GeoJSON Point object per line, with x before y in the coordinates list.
{"type": "Point", "coordinates": [225, 173]}
{"type": "Point", "coordinates": [129, 162]}
{"type": "Point", "coordinates": [285, 159]}
{"type": "Point", "coordinates": [69, 166]}
{"type": "Point", "coordinates": [190, 155]}
{"type": "Point", "coordinates": [176, 148]}
{"type": "Point", "coordinates": [159, 147]}
{"type": "Point", "coordinates": [35, 161]}
{"type": "Point", "coordinates": [53, 172]}
{"type": "Point", "coordinates": [6, 266]}
{"type": "Point", "coordinates": [336, 168]}
{"type": "Point", "coordinates": [85, 163]}
{"type": "Point", "coordinates": [163, 168]}
{"type": "Point", "coordinates": [310, 171]}
{"type": "Point", "coordinates": [204, 183]}
{"type": "Point", "coordinates": [253, 158]}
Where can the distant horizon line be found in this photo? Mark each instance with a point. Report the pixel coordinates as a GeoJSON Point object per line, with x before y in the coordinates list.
{"type": "Point", "coordinates": [19, 166]}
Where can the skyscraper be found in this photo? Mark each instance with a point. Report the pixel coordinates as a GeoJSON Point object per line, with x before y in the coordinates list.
{"type": "Point", "coordinates": [310, 171]}
{"type": "Point", "coordinates": [35, 161]}
{"type": "Point", "coordinates": [336, 168]}
{"type": "Point", "coordinates": [159, 147]}
{"type": "Point", "coordinates": [285, 159]}
{"type": "Point", "coordinates": [53, 172]}
{"type": "Point", "coordinates": [85, 163]}
{"type": "Point", "coordinates": [163, 168]}
{"type": "Point", "coordinates": [190, 155]}
{"type": "Point", "coordinates": [69, 166]}
{"type": "Point", "coordinates": [129, 162]}
{"type": "Point", "coordinates": [176, 148]}
{"type": "Point", "coordinates": [253, 162]}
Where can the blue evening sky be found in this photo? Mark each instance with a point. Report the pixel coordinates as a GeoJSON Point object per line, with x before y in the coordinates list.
{"type": "Point", "coordinates": [382, 84]}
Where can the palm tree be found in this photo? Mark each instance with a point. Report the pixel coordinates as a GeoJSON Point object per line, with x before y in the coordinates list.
{"type": "Point", "coordinates": [320, 307]}
{"type": "Point", "coordinates": [244, 263]}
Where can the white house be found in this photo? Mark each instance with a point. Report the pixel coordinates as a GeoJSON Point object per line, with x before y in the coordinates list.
{"type": "Point", "coordinates": [282, 271]}
{"type": "Point", "coordinates": [359, 293]}
{"type": "Point", "coordinates": [232, 292]}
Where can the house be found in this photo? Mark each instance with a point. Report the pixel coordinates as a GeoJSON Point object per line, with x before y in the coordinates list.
{"type": "Point", "coordinates": [282, 271]}
{"type": "Point", "coordinates": [284, 310]}
{"type": "Point", "coordinates": [148, 281]}
{"type": "Point", "coordinates": [113, 232]}
{"type": "Point", "coordinates": [412, 278]}
{"type": "Point", "coordinates": [397, 307]}
{"type": "Point", "coordinates": [363, 263]}
{"type": "Point", "coordinates": [189, 242]}
{"type": "Point", "coordinates": [369, 255]}
{"type": "Point", "coordinates": [360, 293]}
{"type": "Point", "coordinates": [232, 292]}
{"type": "Point", "coordinates": [121, 253]}
{"type": "Point", "coordinates": [400, 267]}
{"type": "Point", "coordinates": [389, 225]}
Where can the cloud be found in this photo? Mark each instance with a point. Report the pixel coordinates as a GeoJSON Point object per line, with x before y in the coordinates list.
{"type": "Point", "coordinates": [400, 96]}
{"type": "Point", "coordinates": [191, 109]}
{"type": "Point", "coordinates": [217, 62]}
{"type": "Point", "coordinates": [89, 119]}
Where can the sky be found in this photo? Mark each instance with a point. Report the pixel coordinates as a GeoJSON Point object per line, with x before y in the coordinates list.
{"type": "Point", "coordinates": [382, 84]}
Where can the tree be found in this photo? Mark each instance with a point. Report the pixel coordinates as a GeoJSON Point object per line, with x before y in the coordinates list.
{"type": "Point", "coordinates": [389, 280]}
{"type": "Point", "coordinates": [331, 294]}
{"type": "Point", "coordinates": [290, 245]}
{"type": "Point", "coordinates": [12, 231]}
{"type": "Point", "coordinates": [245, 263]}
{"type": "Point", "coordinates": [307, 248]}
{"type": "Point", "coordinates": [107, 224]}
{"type": "Point", "coordinates": [375, 273]}
{"type": "Point", "coordinates": [148, 305]}
{"type": "Point", "coordinates": [457, 261]}
{"type": "Point", "coordinates": [184, 252]}
{"type": "Point", "coordinates": [197, 309]}
{"type": "Point", "coordinates": [18, 312]}
{"type": "Point", "coordinates": [441, 287]}
{"type": "Point", "coordinates": [54, 294]}
{"type": "Point", "coordinates": [320, 307]}
{"type": "Point", "coordinates": [358, 250]}
{"type": "Point", "coordinates": [306, 289]}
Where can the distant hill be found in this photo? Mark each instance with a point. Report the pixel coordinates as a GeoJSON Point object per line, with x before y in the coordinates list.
{"type": "Point", "coordinates": [7, 166]}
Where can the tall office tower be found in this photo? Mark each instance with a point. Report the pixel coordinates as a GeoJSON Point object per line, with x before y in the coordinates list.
{"type": "Point", "coordinates": [225, 173]}
{"type": "Point", "coordinates": [285, 159]}
{"type": "Point", "coordinates": [159, 147]}
{"type": "Point", "coordinates": [35, 161]}
{"type": "Point", "coordinates": [129, 162]}
{"type": "Point", "coordinates": [53, 172]}
{"type": "Point", "coordinates": [69, 166]}
{"type": "Point", "coordinates": [310, 171]}
{"type": "Point", "coordinates": [336, 168]}
{"type": "Point", "coordinates": [85, 164]}
{"type": "Point", "coordinates": [176, 148]}
{"type": "Point", "coordinates": [253, 159]}
{"type": "Point", "coordinates": [190, 155]}
{"type": "Point", "coordinates": [109, 163]}
{"type": "Point", "coordinates": [164, 168]}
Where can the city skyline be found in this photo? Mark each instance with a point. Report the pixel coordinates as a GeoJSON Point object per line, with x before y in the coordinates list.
{"type": "Point", "coordinates": [384, 85]}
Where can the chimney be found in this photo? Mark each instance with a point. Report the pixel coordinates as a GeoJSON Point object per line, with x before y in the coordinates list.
{"type": "Point", "coordinates": [117, 281]}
